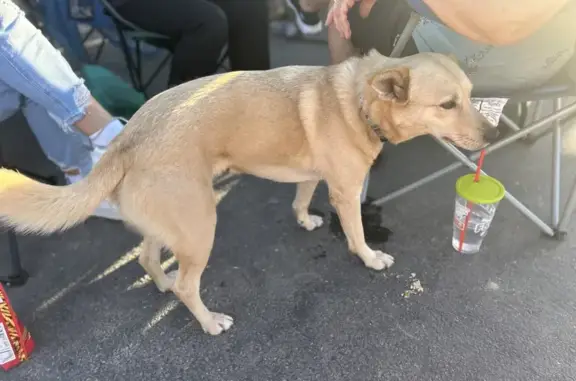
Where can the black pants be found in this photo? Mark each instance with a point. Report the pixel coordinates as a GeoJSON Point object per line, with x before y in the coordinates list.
{"type": "Point", "coordinates": [248, 37]}
{"type": "Point", "coordinates": [200, 29]}
{"type": "Point", "coordinates": [380, 29]}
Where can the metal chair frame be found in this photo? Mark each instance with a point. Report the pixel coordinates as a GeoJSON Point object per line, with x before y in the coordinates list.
{"type": "Point", "coordinates": [554, 123]}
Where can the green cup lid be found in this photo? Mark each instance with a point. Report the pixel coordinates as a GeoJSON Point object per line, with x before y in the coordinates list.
{"type": "Point", "coordinates": [487, 190]}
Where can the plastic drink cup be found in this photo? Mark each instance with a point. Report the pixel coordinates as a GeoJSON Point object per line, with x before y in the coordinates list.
{"type": "Point", "coordinates": [476, 204]}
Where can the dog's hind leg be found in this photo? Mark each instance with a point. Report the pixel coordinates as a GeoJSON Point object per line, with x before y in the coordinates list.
{"type": "Point", "coordinates": [304, 193]}
{"type": "Point", "coordinates": [149, 259]}
{"type": "Point", "coordinates": [193, 251]}
{"type": "Point", "coordinates": [191, 242]}
{"type": "Point", "coordinates": [184, 220]}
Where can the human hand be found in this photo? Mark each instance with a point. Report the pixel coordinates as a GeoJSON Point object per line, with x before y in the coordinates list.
{"type": "Point", "coordinates": [338, 14]}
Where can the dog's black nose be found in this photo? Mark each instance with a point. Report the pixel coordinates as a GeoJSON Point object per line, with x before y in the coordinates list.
{"type": "Point", "coordinates": [491, 134]}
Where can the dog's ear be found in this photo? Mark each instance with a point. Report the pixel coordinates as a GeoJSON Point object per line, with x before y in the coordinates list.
{"type": "Point", "coordinates": [392, 84]}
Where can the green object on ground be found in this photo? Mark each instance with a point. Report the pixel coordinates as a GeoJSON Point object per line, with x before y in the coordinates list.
{"type": "Point", "coordinates": [487, 190]}
{"type": "Point", "coordinates": [114, 94]}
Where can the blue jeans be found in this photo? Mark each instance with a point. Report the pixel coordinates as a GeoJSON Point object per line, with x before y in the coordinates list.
{"type": "Point", "coordinates": [35, 78]}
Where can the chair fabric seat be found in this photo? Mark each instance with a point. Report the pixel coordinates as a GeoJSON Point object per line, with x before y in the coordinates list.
{"type": "Point", "coordinates": [560, 86]}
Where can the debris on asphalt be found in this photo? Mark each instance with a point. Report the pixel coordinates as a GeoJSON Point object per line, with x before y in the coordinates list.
{"type": "Point", "coordinates": [492, 286]}
{"type": "Point", "coordinates": [415, 287]}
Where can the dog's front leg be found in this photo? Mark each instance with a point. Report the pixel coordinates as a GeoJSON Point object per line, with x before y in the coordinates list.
{"type": "Point", "coordinates": [347, 204]}
{"type": "Point", "coordinates": [304, 193]}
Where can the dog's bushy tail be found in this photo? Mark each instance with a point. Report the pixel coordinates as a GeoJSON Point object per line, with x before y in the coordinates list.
{"type": "Point", "coordinates": [32, 207]}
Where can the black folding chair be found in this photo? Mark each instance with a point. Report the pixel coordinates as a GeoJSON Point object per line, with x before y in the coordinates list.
{"type": "Point", "coordinates": [16, 275]}
{"type": "Point", "coordinates": [129, 32]}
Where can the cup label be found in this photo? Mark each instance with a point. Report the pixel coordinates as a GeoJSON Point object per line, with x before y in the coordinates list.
{"type": "Point", "coordinates": [477, 222]}
{"type": "Point", "coordinates": [460, 214]}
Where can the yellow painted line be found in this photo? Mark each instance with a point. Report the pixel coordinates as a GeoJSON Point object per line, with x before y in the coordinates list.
{"type": "Point", "coordinates": [60, 294]}
{"type": "Point", "coordinates": [143, 281]}
{"type": "Point", "coordinates": [158, 316]}
{"type": "Point", "coordinates": [210, 87]}
{"type": "Point", "coordinates": [122, 261]}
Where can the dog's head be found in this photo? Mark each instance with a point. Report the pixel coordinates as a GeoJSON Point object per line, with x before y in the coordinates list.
{"type": "Point", "coordinates": [425, 94]}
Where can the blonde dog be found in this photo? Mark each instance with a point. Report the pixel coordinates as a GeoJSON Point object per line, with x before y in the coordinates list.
{"type": "Point", "coordinates": [295, 124]}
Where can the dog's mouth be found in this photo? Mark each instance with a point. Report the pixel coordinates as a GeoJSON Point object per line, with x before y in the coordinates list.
{"type": "Point", "coordinates": [464, 143]}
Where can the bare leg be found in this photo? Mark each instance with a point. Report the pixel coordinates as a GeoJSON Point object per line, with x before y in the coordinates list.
{"type": "Point", "coordinates": [96, 118]}
{"type": "Point", "coordinates": [347, 204]}
{"type": "Point", "coordinates": [304, 193]}
{"type": "Point", "coordinates": [340, 48]}
{"type": "Point", "coordinates": [150, 260]}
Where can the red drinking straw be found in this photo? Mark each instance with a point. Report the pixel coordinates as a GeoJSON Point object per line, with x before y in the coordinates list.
{"type": "Point", "coordinates": [468, 203]}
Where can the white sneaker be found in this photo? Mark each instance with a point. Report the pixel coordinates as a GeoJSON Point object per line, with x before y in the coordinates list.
{"type": "Point", "coordinates": [106, 209]}
{"type": "Point", "coordinates": [308, 23]}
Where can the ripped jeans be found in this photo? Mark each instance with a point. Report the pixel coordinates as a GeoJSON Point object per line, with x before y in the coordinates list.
{"type": "Point", "coordinates": [35, 78]}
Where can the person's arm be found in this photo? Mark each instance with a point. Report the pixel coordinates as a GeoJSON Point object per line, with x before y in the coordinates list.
{"type": "Point", "coordinates": [497, 22]}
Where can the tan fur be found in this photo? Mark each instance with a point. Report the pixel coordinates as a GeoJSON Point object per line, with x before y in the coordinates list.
{"type": "Point", "coordinates": [293, 124]}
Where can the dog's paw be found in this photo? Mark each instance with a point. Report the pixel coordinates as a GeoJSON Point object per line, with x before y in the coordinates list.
{"type": "Point", "coordinates": [168, 281]}
{"type": "Point", "coordinates": [380, 261]}
{"type": "Point", "coordinates": [218, 324]}
{"type": "Point", "coordinates": [311, 223]}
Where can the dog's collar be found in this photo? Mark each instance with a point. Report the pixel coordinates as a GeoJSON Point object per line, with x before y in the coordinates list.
{"type": "Point", "coordinates": [373, 126]}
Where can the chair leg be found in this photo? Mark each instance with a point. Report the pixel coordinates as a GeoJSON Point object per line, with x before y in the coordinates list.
{"type": "Point", "coordinates": [17, 275]}
{"type": "Point", "coordinates": [138, 52]}
{"type": "Point", "coordinates": [88, 35]}
{"type": "Point", "coordinates": [510, 123]}
{"type": "Point", "coordinates": [364, 194]}
{"type": "Point", "coordinates": [523, 114]}
{"type": "Point", "coordinates": [157, 71]}
{"type": "Point", "coordinates": [533, 113]}
{"type": "Point", "coordinates": [100, 50]}
{"type": "Point", "coordinates": [518, 121]}
{"type": "Point", "coordinates": [567, 213]}
{"type": "Point", "coordinates": [129, 60]}
{"type": "Point", "coordinates": [556, 166]}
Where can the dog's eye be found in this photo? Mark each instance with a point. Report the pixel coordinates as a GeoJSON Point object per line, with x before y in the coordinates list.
{"type": "Point", "coordinates": [448, 105]}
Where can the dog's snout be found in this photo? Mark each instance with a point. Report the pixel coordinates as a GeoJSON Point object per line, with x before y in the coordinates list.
{"type": "Point", "coordinates": [491, 134]}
